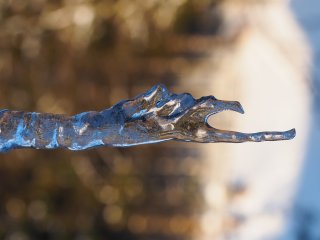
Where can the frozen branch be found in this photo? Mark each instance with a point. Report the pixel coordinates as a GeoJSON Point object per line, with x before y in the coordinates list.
{"type": "Point", "coordinates": [152, 117]}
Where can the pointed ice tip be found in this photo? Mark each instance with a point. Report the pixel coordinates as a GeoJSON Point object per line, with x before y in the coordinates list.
{"type": "Point", "coordinates": [229, 105]}
{"type": "Point", "coordinates": [157, 92]}
{"type": "Point", "coordinates": [290, 134]}
{"type": "Point", "coordinates": [236, 106]}
{"type": "Point", "coordinates": [159, 87]}
{"type": "Point", "coordinates": [240, 108]}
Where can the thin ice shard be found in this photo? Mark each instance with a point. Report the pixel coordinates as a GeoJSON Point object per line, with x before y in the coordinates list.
{"type": "Point", "coordinates": [154, 116]}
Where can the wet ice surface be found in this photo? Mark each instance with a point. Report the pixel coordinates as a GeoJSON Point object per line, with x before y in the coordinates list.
{"type": "Point", "coordinates": [154, 116]}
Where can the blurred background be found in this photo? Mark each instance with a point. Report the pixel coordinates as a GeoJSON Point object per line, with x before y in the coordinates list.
{"type": "Point", "coordinates": [69, 56]}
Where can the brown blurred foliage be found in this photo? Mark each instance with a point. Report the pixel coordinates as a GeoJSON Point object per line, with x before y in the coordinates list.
{"type": "Point", "coordinates": [68, 56]}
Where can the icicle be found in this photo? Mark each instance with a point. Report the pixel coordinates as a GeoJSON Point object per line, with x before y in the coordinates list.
{"type": "Point", "coordinates": [152, 117]}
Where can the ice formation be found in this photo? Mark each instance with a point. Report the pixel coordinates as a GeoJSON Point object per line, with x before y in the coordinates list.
{"type": "Point", "coordinates": [154, 116]}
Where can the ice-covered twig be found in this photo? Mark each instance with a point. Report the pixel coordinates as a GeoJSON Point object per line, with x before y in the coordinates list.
{"type": "Point", "coordinates": [152, 117]}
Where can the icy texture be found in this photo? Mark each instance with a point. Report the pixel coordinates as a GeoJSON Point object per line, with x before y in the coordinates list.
{"type": "Point", "coordinates": [152, 117]}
